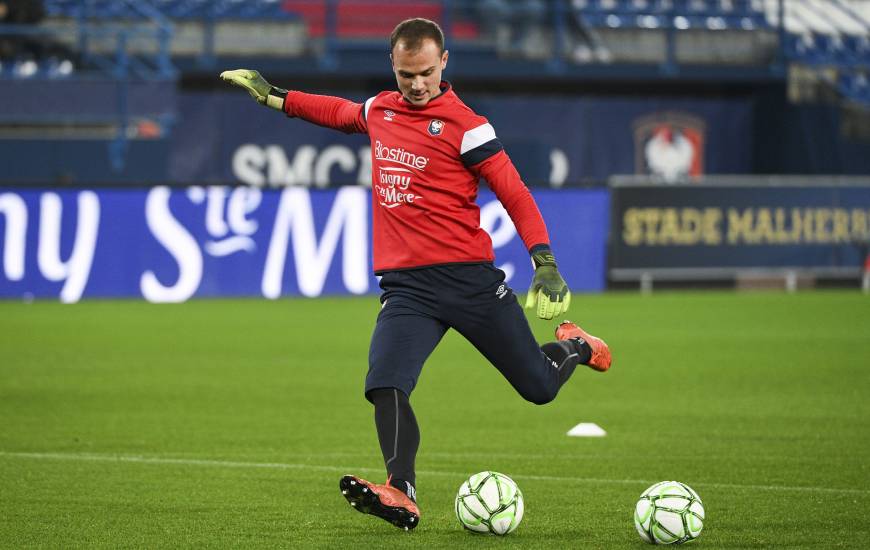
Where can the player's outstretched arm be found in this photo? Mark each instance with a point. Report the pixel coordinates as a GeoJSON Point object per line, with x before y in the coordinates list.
{"type": "Point", "coordinates": [256, 85]}
{"type": "Point", "coordinates": [549, 293]}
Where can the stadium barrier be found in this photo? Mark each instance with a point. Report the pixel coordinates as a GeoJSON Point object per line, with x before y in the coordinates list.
{"type": "Point", "coordinates": [554, 142]}
{"type": "Point", "coordinates": [171, 244]}
{"type": "Point", "coordinates": [557, 142]}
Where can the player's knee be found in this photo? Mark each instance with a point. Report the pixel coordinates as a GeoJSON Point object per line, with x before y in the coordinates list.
{"type": "Point", "coordinates": [539, 393]}
{"type": "Point", "coordinates": [540, 398]}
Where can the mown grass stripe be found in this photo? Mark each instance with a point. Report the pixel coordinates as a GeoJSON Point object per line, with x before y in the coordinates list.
{"type": "Point", "coordinates": [344, 469]}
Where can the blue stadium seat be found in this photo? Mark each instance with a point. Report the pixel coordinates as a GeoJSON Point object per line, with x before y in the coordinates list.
{"type": "Point", "coordinates": [99, 9]}
{"type": "Point", "coordinates": [803, 48]}
{"type": "Point", "coordinates": [680, 14]}
{"type": "Point", "coordinates": [855, 86]}
{"type": "Point", "coordinates": [56, 68]}
{"type": "Point", "coordinates": [832, 49]}
{"type": "Point", "coordinates": [821, 49]}
{"type": "Point", "coordinates": [173, 9]}
{"type": "Point", "coordinates": [857, 50]}
{"type": "Point", "coordinates": [23, 69]}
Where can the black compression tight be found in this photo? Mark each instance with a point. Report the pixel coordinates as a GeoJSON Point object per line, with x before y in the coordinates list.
{"type": "Point", "coordinates": [398, 433]}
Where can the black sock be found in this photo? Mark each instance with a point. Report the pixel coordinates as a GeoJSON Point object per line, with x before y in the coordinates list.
{"type": "Point", "coordinates": [566, 355]}
{"type": "Point", "coordinates": [584, 350]}
{"type": "Point", "coordinates": [398, 435]}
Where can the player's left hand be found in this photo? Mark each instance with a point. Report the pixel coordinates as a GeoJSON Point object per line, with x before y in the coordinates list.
{"type": "Point", "coordinates": [549, 292]}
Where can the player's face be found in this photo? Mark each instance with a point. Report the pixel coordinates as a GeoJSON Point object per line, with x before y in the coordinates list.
{"type": "Point", "coordinates": [418, 72]}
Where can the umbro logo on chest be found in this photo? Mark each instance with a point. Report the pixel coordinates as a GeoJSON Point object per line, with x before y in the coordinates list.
{"type": "Point", "coordinates": [435, 126]}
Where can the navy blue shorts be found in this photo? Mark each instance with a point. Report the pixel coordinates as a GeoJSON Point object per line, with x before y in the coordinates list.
{"type": "Point", "coordinates": [419, 305]}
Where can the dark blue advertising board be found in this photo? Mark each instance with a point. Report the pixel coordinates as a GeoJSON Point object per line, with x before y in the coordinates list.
{"type": "Point", "coordinates": [554, 141]}
{"type": "Point", "coordinates": [738, 227]}
{"type": "Point", "coordinates": [171, 244]}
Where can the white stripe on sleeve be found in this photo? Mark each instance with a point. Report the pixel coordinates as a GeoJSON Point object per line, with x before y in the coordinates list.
{"type": "Point", "coordinates": [367, 105]}
{"type": "Point", "coordinates": [476, 137]}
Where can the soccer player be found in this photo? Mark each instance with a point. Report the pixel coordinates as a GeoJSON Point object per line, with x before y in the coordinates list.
{"type": "Point", "coordinates": [429, 151]}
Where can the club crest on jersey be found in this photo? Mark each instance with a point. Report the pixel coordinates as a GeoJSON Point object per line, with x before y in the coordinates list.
{"type": "Point", "coordinates": [435, 127]}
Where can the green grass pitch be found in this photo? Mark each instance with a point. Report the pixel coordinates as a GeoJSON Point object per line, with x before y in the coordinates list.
{"type": "Point", "coordinates": [228, 423]}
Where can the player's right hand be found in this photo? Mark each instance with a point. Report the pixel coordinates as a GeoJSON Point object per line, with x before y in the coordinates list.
{"type": "Point", "coordinates": [257, 87]}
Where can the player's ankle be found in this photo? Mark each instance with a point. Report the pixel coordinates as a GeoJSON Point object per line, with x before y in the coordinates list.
{"type": "Point", "coordinates": [583, 349]}
{"type": "Point", "coordinates": [405, 486]}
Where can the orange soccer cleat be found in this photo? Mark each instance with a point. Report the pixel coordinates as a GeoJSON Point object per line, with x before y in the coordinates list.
{"type": "Point", "coordinates": [600, 359]}
{"type": "Point", "coordinates": [383, 501]}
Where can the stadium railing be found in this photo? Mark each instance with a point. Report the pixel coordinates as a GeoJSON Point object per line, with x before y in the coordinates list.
{"type": "Point", "coordinates": [670, 38]}
{"type": "Point", "coordinates": [109, 55]}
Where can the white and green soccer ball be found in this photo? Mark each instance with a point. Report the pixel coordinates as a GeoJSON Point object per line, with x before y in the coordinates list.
{"type": "Point", "coordinates": [669, 512]}
{"type": "Point", "coordinates": [489, 502]}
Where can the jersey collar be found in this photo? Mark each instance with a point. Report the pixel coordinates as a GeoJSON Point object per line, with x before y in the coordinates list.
{"type": "Point", "coordinates": [445, 87]}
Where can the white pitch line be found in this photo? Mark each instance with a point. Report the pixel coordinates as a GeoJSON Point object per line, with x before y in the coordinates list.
{"type": "Point", "coordinates": [301, 466]}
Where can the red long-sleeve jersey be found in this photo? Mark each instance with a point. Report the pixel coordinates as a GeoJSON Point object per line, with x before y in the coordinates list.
{"type": "Point", "coordinates": [426, 166]}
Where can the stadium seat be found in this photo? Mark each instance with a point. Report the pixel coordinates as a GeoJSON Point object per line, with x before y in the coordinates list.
{"type": "Point", "coordinates": [173, 9]}
{"type": "Point", "coordinates": [679, 14]}
{"type": "Point", "coordinates": [854, 86]}
{"type": "Point", "coordinates": [858, 50]}
{"type": "Point", "coordinates": [22, 69]}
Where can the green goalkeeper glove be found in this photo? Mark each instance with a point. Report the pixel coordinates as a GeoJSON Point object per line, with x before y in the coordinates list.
{"type": "Point", "coordinates": [256, 85]}
{"type": "Point", "coordinates": [548, 289]}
